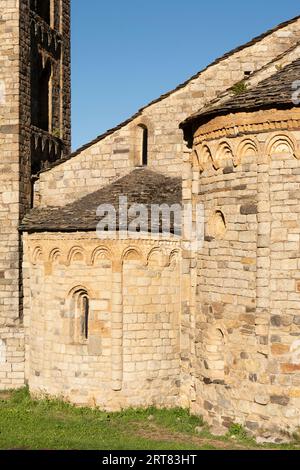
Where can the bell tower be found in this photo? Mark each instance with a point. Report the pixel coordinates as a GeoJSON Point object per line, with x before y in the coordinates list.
{"type": "Point", "coordinates": [34, 132]}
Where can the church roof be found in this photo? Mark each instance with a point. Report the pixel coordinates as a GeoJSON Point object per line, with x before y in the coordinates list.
{"type": "Point", "coordinates": [109, 132]}
{"type": "Point", "coordinates": [141, 186]}
{"type": "Point", "coordinates": [274, 92]}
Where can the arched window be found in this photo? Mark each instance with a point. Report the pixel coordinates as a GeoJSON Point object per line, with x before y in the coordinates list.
{"type": "Point", "coordinates": [142, 145]}
{"type": "Point", "coordinates": [145, 147]}
{"type": "Point", "coordinates": [85, 317]}
{"type": "Point", "coordinates": [80, 314]}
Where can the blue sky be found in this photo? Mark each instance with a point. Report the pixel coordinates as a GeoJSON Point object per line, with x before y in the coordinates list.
{"type": "Point", "coordinates": [126, 53]}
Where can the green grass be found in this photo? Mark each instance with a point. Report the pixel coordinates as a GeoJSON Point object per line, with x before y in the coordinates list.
{"type": "Point", "coordinates": [26, 423]}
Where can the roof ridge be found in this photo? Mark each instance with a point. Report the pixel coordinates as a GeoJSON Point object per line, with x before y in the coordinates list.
{"type": "Point", "coordinates": [225, 94]}
{"type": "Point", "coordinates": [253, 98]}
{"type": "Point", "coordinates": [169, 93]}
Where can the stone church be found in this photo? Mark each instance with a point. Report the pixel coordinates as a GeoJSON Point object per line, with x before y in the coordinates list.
{"type": "Point", "coordinates": [133, 322]}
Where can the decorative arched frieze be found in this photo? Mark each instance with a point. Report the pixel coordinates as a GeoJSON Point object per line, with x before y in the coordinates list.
{"type": "Point", "coordinates": [246, 148]}
{"type": "Point", "coordinates": [204, 157]}
{"type": "Point", "coordinates": [174, 259]}
{"type": "Point", "coordinates": [37, 255]}
{"type": "Point", "coordinates": [76, 255]}
{"type": "Point", "coordinates": [133, 254]}
{"type": "Point", "coordinates": [101, 254]}
{"type": "Point", "coordinates": [224, 155]}
{"type": "Point", "coordinates": [283, 143]}
{"type": "Point", "coordinates": [157, 257]}
{"type": "Point", "coordinates": [55, 256]}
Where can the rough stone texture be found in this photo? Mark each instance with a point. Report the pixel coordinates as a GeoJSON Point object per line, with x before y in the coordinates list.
{"type": "Point", "coordinates": [21, 33]}
{"type": "Point", "coordinates": [244, 352]}
{"type": "Point", "coordinates": [132, 356]}
{"type": "Point", "coordinates": [151, 320]}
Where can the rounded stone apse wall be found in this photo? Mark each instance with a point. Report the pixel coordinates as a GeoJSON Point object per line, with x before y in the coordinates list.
{"type": "Point", "coordinates": [245, 360]}
{"type": "Point", "coordinates": [103, 320]}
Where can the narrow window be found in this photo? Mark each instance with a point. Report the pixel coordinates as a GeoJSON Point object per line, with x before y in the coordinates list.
{"type": "Point", "coordinates": [42, 8]}
{"type": "Point", "coordinates": [142, 145]}
{"type": "Point", "coordinates": [44, 91]}
{"type": "Point", "coordinates": [145, 147]}
{"type": "Point", "coordinates": [80, 315]}
{"type": "Point", "coordinates": [85, 317]}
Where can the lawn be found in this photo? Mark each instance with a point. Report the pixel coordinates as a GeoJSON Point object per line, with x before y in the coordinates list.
{"type": "Point", "coordinates": [52, 424]}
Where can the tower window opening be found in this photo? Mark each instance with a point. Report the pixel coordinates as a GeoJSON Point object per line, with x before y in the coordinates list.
{"type": "Point", "coordinates": [41, 73]}
{"type": "Point", "coordinates": [44, 85]}
{"type": "Point", "coordinates": [42, 8]}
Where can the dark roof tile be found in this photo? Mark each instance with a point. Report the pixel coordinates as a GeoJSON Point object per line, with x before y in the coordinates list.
{"type": "Point", "coordinates": [141, 186]}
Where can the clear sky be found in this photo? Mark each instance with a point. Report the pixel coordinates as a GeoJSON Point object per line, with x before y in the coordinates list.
{"type": "Point", "coordinates": [126, 53]}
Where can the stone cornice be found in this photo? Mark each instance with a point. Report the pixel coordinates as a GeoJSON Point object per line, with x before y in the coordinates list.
{"type": "Point", "coordinates": [235, 125]}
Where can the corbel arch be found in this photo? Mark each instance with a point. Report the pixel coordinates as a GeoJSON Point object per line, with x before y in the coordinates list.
{"type": "Point", "coordinates": [76, 255]}
{"type": "Point", "coordinates": [133, 254]}
{"type": "Point", "coordinates": [37, 255]}
{"type": "Point", "coordinates": [174, 258]}
{"type": "Point", "coordinates": [282, 143]}
{"type": "Point", "coordinates": [204, 156]}
{"type": "Point", "coordinates": [101, 253]}
{"type": "Point", "coordinates": [224, 155]}
{"type": "Point", "coordinates": [55, 255]}
{"type": "Point", "coordinates": [246, 148]}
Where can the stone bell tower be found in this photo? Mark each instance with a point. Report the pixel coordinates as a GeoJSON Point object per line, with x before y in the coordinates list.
{"type": "Point", "coordinates": [34, 132]}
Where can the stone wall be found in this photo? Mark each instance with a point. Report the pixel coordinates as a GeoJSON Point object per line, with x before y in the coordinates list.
{"type": "Point", "coordinates": [11, 334]}
{"type": "Point", "coordinates": [131, 357]}
{"type": "Point", "coordinates": [244, 324]}
{"type": "Point", "coordinates": [16, 154]}
{"type": "Point", "coordinates": [9, 161]}
{"type": "Point", "coordinates": [116, 154]}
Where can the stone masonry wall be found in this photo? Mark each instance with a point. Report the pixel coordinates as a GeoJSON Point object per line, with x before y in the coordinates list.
{"type": "Point", "coordinates": [11, 334]}
{"type": "Point", "coordinates": [16, 133]}
{"type": "Point", "coordinates": [244, 328]}
{"type": "Point", "coordinates": [131, 357]}
{"type": "Point", "coordinates": [116, 154]}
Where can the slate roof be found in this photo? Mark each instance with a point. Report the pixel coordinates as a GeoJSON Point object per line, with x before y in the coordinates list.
{"type": "Point", "coordinates": [166, 95]}
{"type": "Point", "coordinates": [141, 186]}
{"type": "Point", "coordinates": [273, 92]}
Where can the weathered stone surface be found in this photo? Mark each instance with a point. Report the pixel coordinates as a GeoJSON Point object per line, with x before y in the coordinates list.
{"type": "Point", "coordinates": [290, 368]}
{"type": "Point", "coordinates": [248, 209]}
{"type": "Point", "coordinates": [262, 399]}
{"type": "Point", "coordinates": [280, 400]}
{"type": "Point", "coordinates": [150, 321]}
{"type": "Point", "coordinates": [279, 349]}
